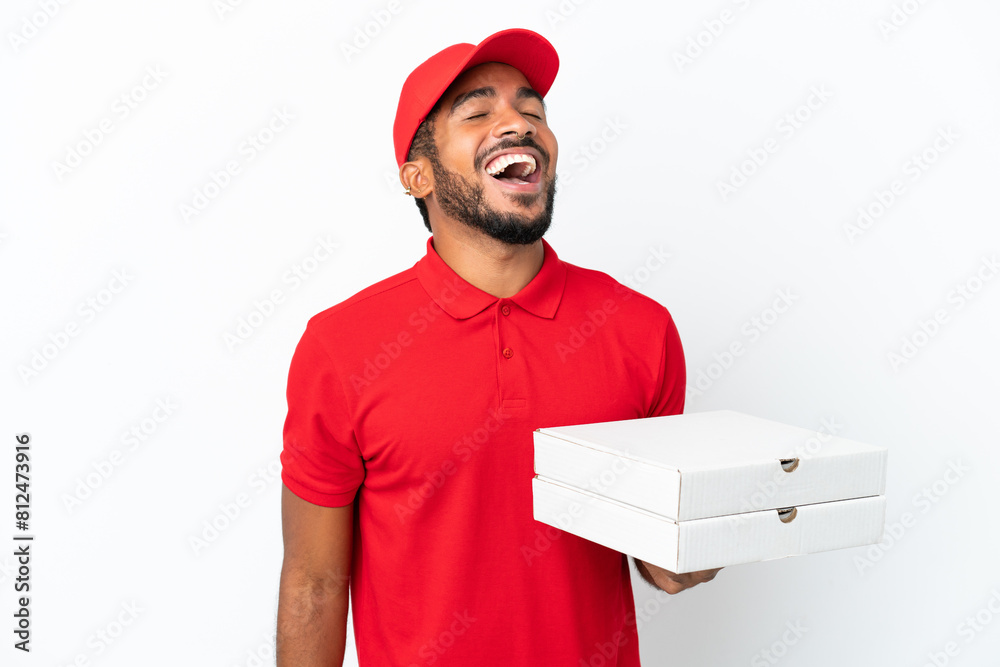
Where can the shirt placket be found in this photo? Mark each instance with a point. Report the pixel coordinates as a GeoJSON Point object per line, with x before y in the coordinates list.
{"type": "Point", "coordinates": [510, 364]}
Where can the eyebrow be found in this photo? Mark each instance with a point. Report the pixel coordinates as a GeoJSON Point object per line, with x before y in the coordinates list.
{"type": "Point", "coordinates": [489, 91]}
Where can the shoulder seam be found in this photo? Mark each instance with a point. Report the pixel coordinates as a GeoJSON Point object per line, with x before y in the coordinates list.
{"type": "Point", "coordinates": [350, 302]}
{"type": "Point", "coordinates": [604, 278]}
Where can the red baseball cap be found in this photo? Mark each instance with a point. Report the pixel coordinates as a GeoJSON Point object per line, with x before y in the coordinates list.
{"type": "Point", "coordinates": [526, 50]}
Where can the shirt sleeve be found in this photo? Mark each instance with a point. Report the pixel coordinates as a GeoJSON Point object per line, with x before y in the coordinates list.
{"type": "Point", "coordinates": [673, 375]}
{"type": "Point", "coordinates": [320, 459]}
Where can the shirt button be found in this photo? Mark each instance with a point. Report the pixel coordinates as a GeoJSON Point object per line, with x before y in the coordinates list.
{"type": "Point", "coordinates": [508, 353]}
{"type": "Point", "coordinates": [505, 309]}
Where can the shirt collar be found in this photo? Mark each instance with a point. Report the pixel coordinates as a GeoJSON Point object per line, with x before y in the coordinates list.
{"type": "Point", "coordinates": [460, 299]}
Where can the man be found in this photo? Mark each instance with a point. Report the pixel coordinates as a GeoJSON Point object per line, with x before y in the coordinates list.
{"type": "Point", "coordinates": [408, 456]}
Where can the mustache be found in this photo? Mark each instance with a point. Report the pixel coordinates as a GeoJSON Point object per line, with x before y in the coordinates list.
{"type": "Point", "coordinates": [505, 144]}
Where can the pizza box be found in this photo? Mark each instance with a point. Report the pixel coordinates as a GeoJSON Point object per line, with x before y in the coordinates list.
{"type": "Point", "coordinates": [702, 544]}
{"type": "Point", "coordinates": [710, 489]}
{"type": "Point", "coordinates": [706, 464]}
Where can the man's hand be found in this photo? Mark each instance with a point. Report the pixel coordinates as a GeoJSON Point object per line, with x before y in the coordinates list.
{"type": "Point", "coordinates": [672, 583]}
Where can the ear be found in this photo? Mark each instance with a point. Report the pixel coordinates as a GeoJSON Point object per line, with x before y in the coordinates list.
{"type": "Point", "coordinates": [418, 177]}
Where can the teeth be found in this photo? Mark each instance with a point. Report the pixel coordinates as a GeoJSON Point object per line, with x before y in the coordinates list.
{"type": "Point", "coordinates": [505, 161]}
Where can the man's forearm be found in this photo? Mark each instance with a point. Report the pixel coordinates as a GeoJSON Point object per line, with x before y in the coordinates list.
{"type": "Point", "coordinates": [312, 623]}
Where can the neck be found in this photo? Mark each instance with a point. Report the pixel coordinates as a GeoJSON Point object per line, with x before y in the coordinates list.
{"type": "Point", "coordinates": [494, 267]}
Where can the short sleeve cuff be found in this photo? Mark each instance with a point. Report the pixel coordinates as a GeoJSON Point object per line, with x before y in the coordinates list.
{"type": "Point", "coordinates": [317, 497]}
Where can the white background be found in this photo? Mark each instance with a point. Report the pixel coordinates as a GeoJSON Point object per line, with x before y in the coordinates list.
{"type": "Point", "coordinates": [663, 134]}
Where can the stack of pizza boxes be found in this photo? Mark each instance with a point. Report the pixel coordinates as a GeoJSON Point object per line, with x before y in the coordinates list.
{"type": "Point", "coordinates": [711, 489]}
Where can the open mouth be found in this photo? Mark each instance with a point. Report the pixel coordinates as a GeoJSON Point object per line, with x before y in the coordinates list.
{"type": "Point", "coordinates": [514, 169]}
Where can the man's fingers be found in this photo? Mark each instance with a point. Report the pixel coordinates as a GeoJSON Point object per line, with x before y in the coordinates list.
{"type": "Point", "coordinates": [708, 575]}
{"type": "Point", "coordinates": [674, 583]}
{"type": "Point", "coordinates": [682, 582]}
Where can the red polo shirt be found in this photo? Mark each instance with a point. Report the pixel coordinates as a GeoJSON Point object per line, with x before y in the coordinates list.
{"type": "Point", "coordinates": [417, 397]}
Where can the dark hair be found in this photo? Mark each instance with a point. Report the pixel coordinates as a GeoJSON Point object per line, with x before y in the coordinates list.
{"type": "Point", "coordinates": [423, 146]}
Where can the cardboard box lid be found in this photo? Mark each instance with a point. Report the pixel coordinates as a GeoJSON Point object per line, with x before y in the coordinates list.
{"type": "Point", "coordinates": [707, 464]}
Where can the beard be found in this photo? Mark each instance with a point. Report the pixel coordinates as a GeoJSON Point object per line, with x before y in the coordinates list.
{"type": "Point", "coordinates": [465, 201]}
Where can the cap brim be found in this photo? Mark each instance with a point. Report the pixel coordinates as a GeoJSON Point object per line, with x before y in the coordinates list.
{"type": "Point", "coordinates": [525, 50]}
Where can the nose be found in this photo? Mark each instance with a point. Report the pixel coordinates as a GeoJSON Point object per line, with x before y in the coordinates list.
{"type": "Point", "coordinates": [512, 122]}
